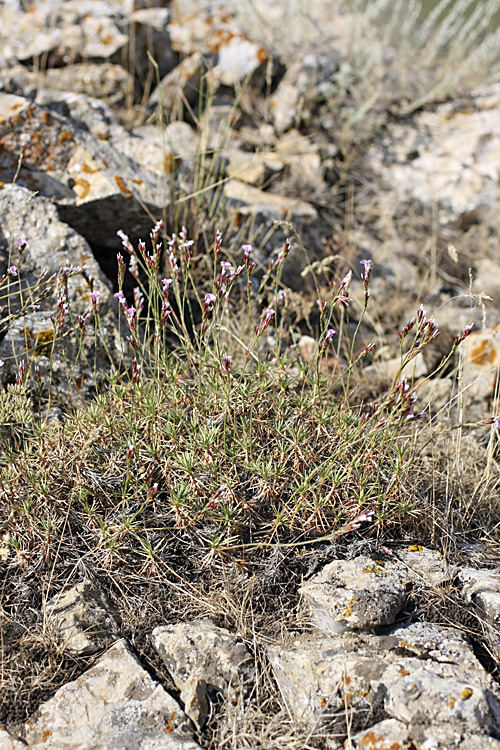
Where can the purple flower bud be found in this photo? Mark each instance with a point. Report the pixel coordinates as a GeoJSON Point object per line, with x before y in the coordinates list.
{"type": "Point", "coordinates": [12, 271]}
{"type": "Point", "coordinates": [94, 296]}
{"type": "Point", "coordinates": [461, 336]}
{"type": "Point", "coordinates": [368, 264]}
{"type": "Point", "coordinates": [226, 361]}
{"type": "Point", "coordinates": [265, 321]}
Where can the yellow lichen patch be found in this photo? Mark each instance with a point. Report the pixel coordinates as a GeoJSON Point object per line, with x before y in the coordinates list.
{"type": "Point", "coordinates": [370, 741]}
{"type": "Point", "coordinates": [415, 548]}
{"type": "Point", "coordinates": [40, 344]}
{"type": "Point", "coordinates": [451, 701]}
{"type": "Point", "coordinates": [372, 569]}
{"type": "Point", "coordinates": [465, 694]}
{"type": "Point", "coordinates": [43, 342]}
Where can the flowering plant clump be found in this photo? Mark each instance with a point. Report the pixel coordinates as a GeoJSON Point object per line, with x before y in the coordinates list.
{"type": "Point", "coordinates": [214, 424]}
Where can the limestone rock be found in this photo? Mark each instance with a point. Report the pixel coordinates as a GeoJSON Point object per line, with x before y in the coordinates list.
{"type": "Point", "coordinates": [318, 675]}
{"type": "Point", "coordinates": [360, 593]}
{"type": "Point", "coordinates": [251, 201]}
{"type": "Point", "coordinates": [8, 742]}
{"type": "Point", "coordinates": [97, 189]}
{"type": "Point", "coordinates": [367, 593]}
{"type": "Point", "coordinates": [180, 84]}
{"type": "Point", "coordinates": [321, 676]}
{"type": "Point", "coordinates": [450, 156]}
{"type": "Point", "coordinates": [481, 589]}
{"type": "Point", "coordinates": [84, 619]}
{"type": "Point", "coordinates": [391, 733]}
{"type": "Point", "coordinates": [428, 641]}
{"type": "Point", "coordinates": [204, 661]}
{"type": "Point", "coordinates": [51, 245]}
{"type": "Point", "coordinates": [433, 696]}
{"type": "Point", "coordinates": [481, 353]}
{"type": "Point", "coordinates": [114, 704]}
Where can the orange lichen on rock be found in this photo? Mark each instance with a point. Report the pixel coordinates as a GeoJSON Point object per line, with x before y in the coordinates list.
{"type": "Point", "coordinates": [484, 353]}
{"type": "Point", "coordinates": [85, 188]}
{"type": "Point", "coordinates": [123, 188]}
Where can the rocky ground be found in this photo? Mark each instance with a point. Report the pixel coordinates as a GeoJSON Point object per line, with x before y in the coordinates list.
{"type": "Point", "coordinates": [227, 116]}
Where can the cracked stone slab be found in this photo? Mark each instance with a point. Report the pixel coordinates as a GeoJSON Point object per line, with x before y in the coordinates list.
{"type": "Point", "coordinates": [319, 675]}
{"type": "Point", "coordinates": [441, 644]}
{"type": "Point", "coordinates": [84, 619]}
{"type": "Point", "coordinates": [114, 705]}
{"type": "Point", "coordinates": [204, 661]}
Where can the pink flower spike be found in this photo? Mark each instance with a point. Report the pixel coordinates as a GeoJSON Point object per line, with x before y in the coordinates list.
{"type": "Point", "coordinates": [265, 321]}
{"type": "Point", "coordinates": [94, 296]}
{"type": "Point", "coordinates": [496, 422]}
{"type": "Point", "coordinates": [368, 264]}
{"type": "Point", "coordinates": [12, 271]}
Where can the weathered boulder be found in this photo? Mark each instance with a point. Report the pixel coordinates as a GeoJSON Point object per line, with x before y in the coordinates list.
{"type": "Point", "coordinates": [83, 619]}
{"type": "Point", "coordinates": [206, 663]}
{"type": "Point", "coordinates": [114, 704]}
{"type": "Point", "coordinates": [97, 189]}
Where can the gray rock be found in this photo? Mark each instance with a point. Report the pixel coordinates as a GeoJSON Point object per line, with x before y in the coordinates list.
{"type": "Point", "coordinates": [8, 742]}
{"type": "Point", "coordinates": [64, 32]}
{"type": "Point", "coordinates": [180, 85]}
{"type": "Point", "coordinates": [84, 619]}
{"type": "Point", "coordinates": [204, 660]}
{"type": "Point", "coordinates": [367, 593]}
{"type": "Point", "coordinates": [114, 705]}
{"type": "Point", "coordinates": [437, 643]}
{"type": "Point", "coordinates": [391, 734]}
{"type": "Point", "coordinates": [431, 696]}
{"type": "Point", "coordinates": [318, 676]}
{"type": "Point", "coordinates": [360, 593]}
{"type": "Point", "coordinates": [97, 189]}
{"type": "Point", "coordinates": [51, 245]}
{"type": "Point", "coordinates": [251, 201]}
{"type": "Point", "coordinates": [449, 156]}
{"type": "Point", "coordinates": [481, 589]}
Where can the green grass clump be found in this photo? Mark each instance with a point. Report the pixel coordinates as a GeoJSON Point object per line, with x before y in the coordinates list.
{"type": "Point", "coordinates": [212, 466]}
{"type": "Point", "coordinates": [213, 428]}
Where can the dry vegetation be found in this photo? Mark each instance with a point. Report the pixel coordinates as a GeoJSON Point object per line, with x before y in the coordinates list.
{"type": "Point", "coordinates": [215, 468]}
